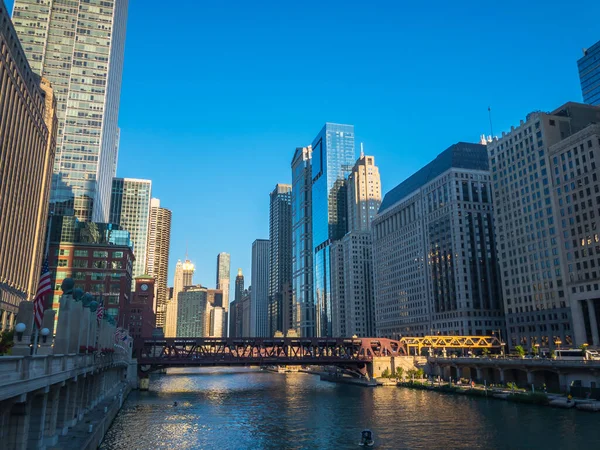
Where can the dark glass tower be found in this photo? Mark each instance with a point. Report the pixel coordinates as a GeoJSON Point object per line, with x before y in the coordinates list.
{"type": "Point", "coordinates": [589, 74]}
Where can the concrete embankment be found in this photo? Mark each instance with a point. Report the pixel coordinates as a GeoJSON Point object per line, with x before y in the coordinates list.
{"type": "Point", "coordinates": [89, 433]}
{"type": "Point", "coordinates": [347, 380]}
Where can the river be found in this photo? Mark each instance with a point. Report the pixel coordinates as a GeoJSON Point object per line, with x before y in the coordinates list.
{"type": "Point", "coordinates": [248, 409]}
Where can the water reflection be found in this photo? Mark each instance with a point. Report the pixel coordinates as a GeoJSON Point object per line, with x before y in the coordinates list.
{"type": "Point", "coordinates": [238, 409]}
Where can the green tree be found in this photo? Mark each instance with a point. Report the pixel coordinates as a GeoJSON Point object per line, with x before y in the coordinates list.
{"type": "Point", "coordinates": [386, 373]}
{"type": "Point", "coordinates": [400, 373]}
{"type": "Point", "coordinates": [535, 350]}
{"type": "Point", "coordinates": [6, 341]}
{"type": "Point", "coordinates": [520, 350]}
{"type": "Point", "coordinates": [420, 373]}
{"type": "Point", "coordinates": [486, 351]}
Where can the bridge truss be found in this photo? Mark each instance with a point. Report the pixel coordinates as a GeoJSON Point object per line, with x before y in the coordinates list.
{"type": "Point", "coordinates": [443, 342]}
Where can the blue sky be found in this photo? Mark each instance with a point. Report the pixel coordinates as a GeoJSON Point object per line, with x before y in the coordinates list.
{"type": "Point", "coordinates": [217, 95]}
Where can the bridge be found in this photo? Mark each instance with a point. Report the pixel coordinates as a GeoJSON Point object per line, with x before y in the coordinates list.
{"type": "Point", "coordinates": [155, 354]}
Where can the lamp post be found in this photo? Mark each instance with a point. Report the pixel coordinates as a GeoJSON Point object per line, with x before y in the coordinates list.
{"type": "Point", "coordinates": [502, 344]}
{"type": "Point", "coordinates": [20, 329]}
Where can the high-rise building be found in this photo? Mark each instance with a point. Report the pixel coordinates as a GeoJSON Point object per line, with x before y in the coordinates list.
{"type": "Point", "coordinates": [434, 252]}
{"type": "Point", "coordinates": [259, 302]}
{"type": "Point", "coordinates": [217, 320]}
{"type": "Point", "coordinates": [184, 274]}
{"type": "Point", "coordinates": [303, 317]}
{"type": "Point", "coordinates": [28, 143]}
{"type": "Point", "coordinates": [234, 307]}
{"type": "Point", "coordinates": [589, 74]}
{"type": "Point", "coordinates": [332, 161]}
{"type": "Point", "coordinates": [223, 282]}
{"type": "Point", "coordinates": [157, 257]}
{"type": "Point", "coordinates": [545, 224]}
{"type": "Point", "coordinates": [79, 47]}
{"type": "Point", "coordinates": [97, 256]}
{"type": "Point", "coordinates": [352, 292]}
{"type": "Point", "coordinates": [192, 310]}
{"type": "Point", "coordinates": [280, 257]}
{"type": "Point", "coordinates": [245, 312]}
{"type": "Point", "coordinates": [130, 208]}
{"type": "Point", "coordinates": [170, 329]}
{"type": "Point", "coordinates": [215, 300]}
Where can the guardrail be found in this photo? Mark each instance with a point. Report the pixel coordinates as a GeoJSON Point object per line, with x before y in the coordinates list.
{"type": "Point", "coordinates": [529, 362]}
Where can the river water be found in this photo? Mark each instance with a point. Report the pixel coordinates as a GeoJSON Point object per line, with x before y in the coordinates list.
{"type": "Point", "coordinates": [249, 409]}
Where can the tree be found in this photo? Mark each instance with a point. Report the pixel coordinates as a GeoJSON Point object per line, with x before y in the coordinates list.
{"type": "Point", "coordinates": [400, 373]}
{"type": "Point", "coordinates": [6, 341]}
{"type": "Point", "coordinates": [520, 350]}
{"type": "Point", "coordinates": [420, 373]}
{"type": "Point", "coordinates": [486, 351]}
{"type": "Point", "coordinates": [386, 373]}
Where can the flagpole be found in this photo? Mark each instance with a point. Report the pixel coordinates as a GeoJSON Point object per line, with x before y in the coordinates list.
{"type": "Point", "coordinates": [36, 333]}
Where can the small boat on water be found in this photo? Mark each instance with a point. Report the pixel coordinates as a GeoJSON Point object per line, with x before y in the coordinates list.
{"type": "Point", "coordinates": [366, 439]}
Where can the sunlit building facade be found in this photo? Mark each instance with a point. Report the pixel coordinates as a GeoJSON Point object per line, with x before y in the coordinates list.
{"type": "Point", "coordinates": [589, 74]}
{"type": "Point", "coordinates": [259, 300]}
{"type": "Point", "coordinates": [79, 47]}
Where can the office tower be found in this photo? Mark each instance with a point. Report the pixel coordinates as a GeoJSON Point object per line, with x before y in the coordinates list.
{"type": "Point", "coordinates": [217, 320]}
{"type": "Point", "coordinates": [223, 277]}
{"type": "Point", "coordinates": [235, 307]}
{"type": "Point", "coordinates": [239, 286]}
{"type": "Point", "coordinates": [304, 310]}
{"type": "Point", "coordinates": [589, 74]}
{"type": "Point", "coordinates": [184, 274]}
{"type": "Point", "coordinates": [544, 215]}
{"type": "Point", "coordinates": [215, 298]}
{"type": "Point", "coordinates": [130, 208]}
{"type": "Point", "coordinates": [332, 161]}
{"type": "Point", "coordinates": [434, 253]}
{"type": "Point", "coordinates": [28, 142]}
{"type": "Point", "coordinates": [245, 313]}
{"type": "Point", "coordinates": [259, 303]}
{"type": "Point", "coordinates": [138, 315]}
{"type": "Point", "coordinates": [280, 257]}
{"type": "Point", "coordinates": [157, 257]}
{"type": "Point", "coordinates": [352, 293]}
{"type": "Point", "coordinates": [171, 316]}
{"type": "Point", "coordinates": [192, 308]}
{"type": "Point", "coordinates": [79, 47]}
{"type": "Point", "coordinates": [97, 256]}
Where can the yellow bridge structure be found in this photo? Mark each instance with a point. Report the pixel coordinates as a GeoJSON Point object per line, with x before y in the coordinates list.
{"type": "Point", "coordinates": [449, 342]}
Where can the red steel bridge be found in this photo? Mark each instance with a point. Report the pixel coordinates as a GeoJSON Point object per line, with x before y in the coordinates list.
{"type": "Point", "coordinates": [155, 354]}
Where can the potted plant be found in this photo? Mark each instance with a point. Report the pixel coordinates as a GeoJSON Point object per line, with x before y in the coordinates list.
{"type": "Point", "coordinates": [6, 341]}
{"type": "Point", "coordinates": [520, 351]}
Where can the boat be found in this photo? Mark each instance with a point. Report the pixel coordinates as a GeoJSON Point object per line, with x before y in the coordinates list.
{"type": "Point", "coordinates": [366, 439]}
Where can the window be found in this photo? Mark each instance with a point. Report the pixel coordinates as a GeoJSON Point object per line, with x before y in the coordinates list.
{"type": "Point", "coordinates": [81, 253]}
{"type": "Point", "coordinates": [100, 254]}
{"type": "Point", "coordinates": [62, 263]}
{"type": "Point", "coordinates": [81, 263]}
{"type": "Point", "coordinates": [64, 252]}
{"type": "Point", "coordinates": [117, 254]}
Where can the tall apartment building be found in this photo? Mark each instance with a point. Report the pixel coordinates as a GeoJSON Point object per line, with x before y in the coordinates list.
{"type": "Point", "coordinates": [280, 257]}
{"type": "Point", "coordinates": [540, 198]}
{"type": "Point", "coordinates": [259, 303]}
{"type": "Point", "coordinates": [434, 254]}
{"type": "Point", "coordinates": [332, 161]}
{"type": "Point", "coordinates": [304, 310]}
{"type": "Point", "coordinates": [97, 256]}
{"type": "Point", "coordinates": [352, 293]}
{"type": "Point", "coordinates": [130, 208]}
{"type": "Point", "coordinates": [223, 283]}
{"type": "Point", "coordinates": [589, 74]}
{"type": "Point", "coordinates": [28, 142]}
{"type": "Point", "coordinates": [192, 309]}
{"type": "Point", "coordinates": [157, 256]}
{"type": "Point", "coordinates": [79, 47]}
{"type": "Point", "coordinates": [184, 274]}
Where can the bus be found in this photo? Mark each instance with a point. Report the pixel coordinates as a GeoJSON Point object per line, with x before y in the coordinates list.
{"type": "Point", "coordinates": [576, 354]}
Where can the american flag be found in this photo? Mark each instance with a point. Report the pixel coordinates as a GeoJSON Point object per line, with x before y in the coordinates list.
{"type": "Point", "coordinates": [119, 333]}
{"type": "Point", "coordinates": [44, 288]}
{"type": "Point", "coordinates": [100, 311]}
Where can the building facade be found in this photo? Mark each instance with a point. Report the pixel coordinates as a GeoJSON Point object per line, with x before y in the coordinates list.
{"type": "Point", "coordinates": [234, 307]}
{"type": "Point", "coordinates": [434, 253]}
{"type": "Point", "coordinates": [184, 274]}
{"type": "Point", "coordinates": [28, 142]}
{"type": "Point", "coordinates": [280, 257]}
{"type": "Point", "coordinates": [215, 299]}
{"type": "Point", "coordinates": [303, 314]}
{"type": "Point", "coordinates": [130, 208]}
{"type": "Point", "coordinates": [98, 257]}
{"type": "Point", "coordinates": [138, 313]}
{"type": "Point", "coordinates": [223, 283]}
{"type": "Point", "coordinates": [192, 309]}
{"type": "Point", "coordinates": [157, 256]}
{"type": "Point", "coordinates": [332, 161]}
{"type": "Point", "coordinates": [245, 312]}
{"type": "Point", "coordinates": [533, 194]}
{"type": "Point", "coordinates": [85, 69]}
{"type": "Point", "coordinates": [352, 289]}
{"type": "Point", "coordinates": [589, 74]}
{"type": "Point", "coordinates": [259, 303]}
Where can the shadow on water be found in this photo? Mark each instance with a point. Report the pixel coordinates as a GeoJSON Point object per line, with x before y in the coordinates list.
{"type": "Point", "coordinates": [246, 408]}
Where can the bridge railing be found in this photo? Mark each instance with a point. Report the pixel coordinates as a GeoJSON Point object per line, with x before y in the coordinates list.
{"type": "Point", "coordinates": [517, 362]}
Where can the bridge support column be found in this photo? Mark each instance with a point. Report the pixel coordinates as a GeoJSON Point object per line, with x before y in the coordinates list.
{"type": "Point", "coordinates": [37, 419]}
{"type": "Point", "coordinates": [563, 381]}
{"type": "Point", "coordinates": [479, 375]}
{"type": "Point", "coordinates": [50, 435]}
{"type": "Point", "coordinates": [64, 414]}
{"type": "Point", "coordinates": [502, 376]}
{"type": "Point", "coordinates": [530, 378]}
{"type": "Point", "coordinates": [5, 407]}
{"type": "Point", "coordinates": [18, 425]}
{"type": "Point", "coordinates": [73, 408]}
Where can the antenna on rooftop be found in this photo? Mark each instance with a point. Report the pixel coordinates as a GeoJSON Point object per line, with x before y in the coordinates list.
{"type": "Point", "coordinates": [490, 117]}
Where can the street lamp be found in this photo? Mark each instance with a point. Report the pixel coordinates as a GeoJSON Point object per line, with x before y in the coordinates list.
{"type": "Point", "coordinates": [20, 329]}
{"type": "Point", "coordinates": [45, 332]}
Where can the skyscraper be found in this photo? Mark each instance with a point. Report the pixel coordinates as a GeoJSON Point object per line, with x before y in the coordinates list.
{"type": "Point", "coordinates": [27, 142]}
{"type": "Point", "coordinates": [280, 256]}
{"type": "Point", "coordinates": [223, 276]}
{"type": "Point", "coordinates": [434, 252]}
{"type": "Point", "coordinates": [545, 205]}
{"type": "Point", "coordinates": [303, 317]}
{"type": "Point", "coordinates": [192, 312]}
{"type": "Point", "coordinates": [259, 301]}
{"type": "Point", "coordinates": [130, 208]}
{"type": "Point", "coordinates": [184, 274]}
{"type": "Point", "coordinates": [157, 261]}
{"type": "Point", "coordinates": [239, 286]}
{"type": "Point", "coordinates": [589, 74]}
{"type": "Point", "coordinates": [235, 314]}
{"type": "Point", "coordinates": [352, 294]}
{"type": "Point", "coordinates": [332, 161]}
{"type": "Point", "coordinates": [85, 68]}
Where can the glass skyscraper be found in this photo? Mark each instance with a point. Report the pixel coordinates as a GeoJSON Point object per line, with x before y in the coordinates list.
{"type": "Point", "coordinates": [332, 161]}
{"type": "Point", "coordinates": [78, 45]}
{"type": "Point", "coordinates": [589, 74]}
